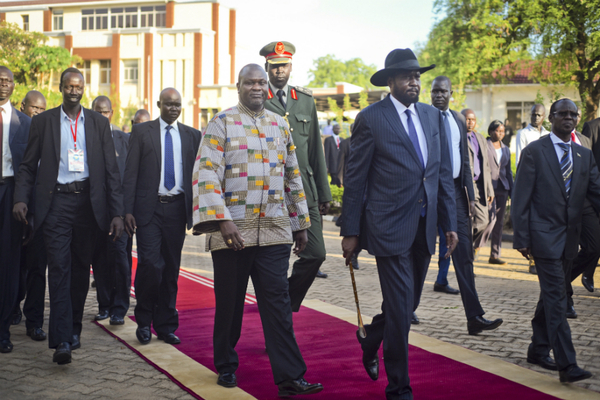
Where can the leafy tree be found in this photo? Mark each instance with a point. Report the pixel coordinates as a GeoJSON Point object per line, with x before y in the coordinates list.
{"type": "Point", "coordinates": [477, 38]}
{"type": "Point", "coordinates": [29, 58]}
{"type": "Point", "coordinates": [328, 70]}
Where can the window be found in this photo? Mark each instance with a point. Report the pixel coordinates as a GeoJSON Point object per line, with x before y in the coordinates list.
{"type": "Point", "coordinates": [94, 19]}
{"type": "Point", "coordinates": [25, 22]}
{"type": "Point", "coordinates": [518, 112]}
{"type": "Point", "coordinates": [130, 69]}
{"type": "Point", "coordinates": [105, 72]}
{"type": "Point", "coordinates": [153, 16]}
{"type": "Point", "coordinates": [86, 70]}
{"type": "Point", "coordinates": [124, 17]}
{"type": "Point", "coordinates": [57, 20]}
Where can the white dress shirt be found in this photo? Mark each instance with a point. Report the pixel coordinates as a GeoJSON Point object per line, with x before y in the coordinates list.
{"type": "Point", "coordinates": [499, 154]}
{"type": "Point", "coordinates": [559, 151]}
{"type": "Point", "coordinates": [7, 168]}
{"type": "Point", "coordinates": [177, 160]}
{"type": "Point", "coordinates": [401, 108]}
{"type": "Point", "coordinates": [527, 135]}
{"type": "Point", "coordinates": [455, 132]}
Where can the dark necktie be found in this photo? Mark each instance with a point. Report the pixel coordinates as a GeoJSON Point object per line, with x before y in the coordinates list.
{"type": "Point", "coordinates": [566, 166]}
{"type": "Point", "coordinates": [449, 136]}
{"type": "Point", "coordinates": [169, 163]}
{"type": "Point", "coordinates": [412, 133]}
{"type": "Point", "coordinates": [280, 96]}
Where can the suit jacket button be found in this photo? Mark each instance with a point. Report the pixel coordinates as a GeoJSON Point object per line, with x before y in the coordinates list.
{"type": "Point", "coordinates": [420, 200]}
{"type": "Point", "coordinates": [291, 129]}
{"type": "Point", "coordinates": [424, 179]}
{"type": "Point", "coordinates": [287, 113]}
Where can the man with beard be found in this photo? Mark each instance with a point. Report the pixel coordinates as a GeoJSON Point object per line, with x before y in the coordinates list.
{"type": "Point", "coordinates": [398, 178]}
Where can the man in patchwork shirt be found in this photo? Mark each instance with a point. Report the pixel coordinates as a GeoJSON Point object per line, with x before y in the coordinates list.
{"type": "Point", "coordinates": [249, 200]}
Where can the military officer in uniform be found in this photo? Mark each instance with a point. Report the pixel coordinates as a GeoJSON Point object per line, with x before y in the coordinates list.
{"type": "Point", "coordinates": [297, 106]}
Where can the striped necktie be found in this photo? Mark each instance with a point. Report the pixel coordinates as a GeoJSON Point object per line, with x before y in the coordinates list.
{"type": "Point", "coordinates": [169, 179]}
{"type": "Point", "coordinates": [566, 166]}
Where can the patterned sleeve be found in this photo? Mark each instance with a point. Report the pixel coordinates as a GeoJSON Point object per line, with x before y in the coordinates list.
{"type": "Point", "coordinates": [295, 199]}
{"type": "Point", "coordinates": [208, 178]}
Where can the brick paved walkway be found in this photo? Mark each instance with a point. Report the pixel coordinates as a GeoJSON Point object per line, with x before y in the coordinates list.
{"type": "Point", "coordinates": [103, 368]}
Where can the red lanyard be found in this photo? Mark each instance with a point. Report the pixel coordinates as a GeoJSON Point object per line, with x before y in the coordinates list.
{"type": "Point", "coordinates": [71, 126]}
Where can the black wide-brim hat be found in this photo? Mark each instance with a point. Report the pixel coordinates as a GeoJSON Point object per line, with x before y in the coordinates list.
{"type": "Point", "coordinates": [398, 60]}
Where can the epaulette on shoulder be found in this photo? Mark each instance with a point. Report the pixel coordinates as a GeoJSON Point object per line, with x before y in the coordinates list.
{"type": "Point", "coordinates": [304, 90]}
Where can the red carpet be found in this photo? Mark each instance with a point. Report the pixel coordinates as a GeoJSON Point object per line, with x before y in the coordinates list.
{"type": "Point", "coordinates": [332, 355]}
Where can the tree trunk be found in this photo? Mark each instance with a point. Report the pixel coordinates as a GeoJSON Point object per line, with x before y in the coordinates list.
{"type": "Point", "coordinates": [590, 98]}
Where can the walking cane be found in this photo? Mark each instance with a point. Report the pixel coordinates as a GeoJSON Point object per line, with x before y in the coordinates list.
{"type": "Point", "coordinates": [361, 328]}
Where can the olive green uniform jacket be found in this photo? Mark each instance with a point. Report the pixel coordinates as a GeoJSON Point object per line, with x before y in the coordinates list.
{"type": "Point", "coordinates": [301, 115]}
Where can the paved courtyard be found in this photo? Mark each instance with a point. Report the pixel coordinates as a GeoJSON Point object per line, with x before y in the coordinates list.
{"type": "Point", "coordinates": [104, 368]}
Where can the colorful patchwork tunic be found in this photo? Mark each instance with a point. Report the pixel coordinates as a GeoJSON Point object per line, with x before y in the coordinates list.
{"type": "Point", "coordinates": [246, 171]}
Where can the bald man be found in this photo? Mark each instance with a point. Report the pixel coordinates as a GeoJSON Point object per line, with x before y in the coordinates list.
{"type": "Point", "coordinates": [33, 103]}
{"type": "Point", "coordinates": [140, 116]}
{"type": "Point", "coordinates": [112, 259]}
{"type": "Point", "coordinates": [158, 204]}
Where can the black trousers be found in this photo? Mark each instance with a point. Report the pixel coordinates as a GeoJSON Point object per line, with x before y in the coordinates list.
{"type": "Point", "coordinates": [306, 267]}
{"type": "Point", "coordinates": [550, 326]}
{"type": "Point", "coordinates": [10, 252]}
{"type": "Point", "coordinates": [462, 257]}
{"type": "Point", "coordinates": [268, 267]}
{"type": "Point", "coordinates": [33, 280]}
{"type": "Point", "coordinates": [481, 219]}
{"type": "Point", "coordinates": [70, 230]}
{"type": "Point", "coordinates": [401, 278]}
{"type": "Point", "coordinates": [112, 272]}
{"type": "Point", "coordinates": [159, 245]}
{"type": "Point", "coordinates": [587, 258]}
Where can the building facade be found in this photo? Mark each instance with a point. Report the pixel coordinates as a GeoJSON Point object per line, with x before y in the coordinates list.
{"type": "Point", "coordinates": [135, 48]}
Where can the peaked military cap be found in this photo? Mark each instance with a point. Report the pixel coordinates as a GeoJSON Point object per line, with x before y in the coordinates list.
{"type": "Point", "coordinates": [278, 52]}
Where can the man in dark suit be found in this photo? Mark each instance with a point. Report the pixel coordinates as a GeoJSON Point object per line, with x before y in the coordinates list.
{"type": "Point", "coordinates": [591, 130]}
{"type": "Point", "coordinates": [397, 188]}
{"type": "Point", "coordinates": [589, 241]}
{"type": "Point", "coordinates": [462, 258]}
{"type": "Point", "coordinates": [112, 259]}
{"type": "Point", "coordinates": [78, 191]}
{"type": "Point", "coordinates": [553, 179]}
{"type": "Point", "coordinates": [141, 115]}
{"type": "Point", "coordinates": [158, 205]}
{"type": "Point", "coordinates": [14, 131]}
{"type": "Point", "coordinates": [332, 154]}
{"type": "Point", "coordinates": [32, 280]}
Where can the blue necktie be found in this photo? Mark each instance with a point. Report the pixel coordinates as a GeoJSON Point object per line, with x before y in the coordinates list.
{"type": "Point", "coordinates": [412, 133]}
{"type": "Point", "coordinates": [566, 166]}
{"type": "Point", "coordinates": [449, 136]}
{"type": "Point", "coordinates": [169, 163]}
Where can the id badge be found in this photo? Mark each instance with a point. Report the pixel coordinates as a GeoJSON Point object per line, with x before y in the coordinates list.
{"type": "Point", "coordinates": [76, 160]}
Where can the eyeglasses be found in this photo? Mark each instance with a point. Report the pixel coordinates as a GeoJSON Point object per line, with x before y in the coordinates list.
{"type": "Point", "coordinates": [564, 114]}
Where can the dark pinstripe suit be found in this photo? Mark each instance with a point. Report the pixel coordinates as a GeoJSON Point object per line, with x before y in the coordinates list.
{"type": "Point", "coordinates": [385, 184]}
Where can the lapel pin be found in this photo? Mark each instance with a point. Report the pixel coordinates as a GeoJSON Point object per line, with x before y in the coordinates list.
{"type": "Point", "coordinates": [578, 155]}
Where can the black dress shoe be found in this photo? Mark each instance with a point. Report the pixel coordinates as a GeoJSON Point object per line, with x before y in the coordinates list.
{"type": "Point", "coordinates": [17, 316]}
{"type": "Point", "coordinates": [588, 283]}
{"type": "Point", "coordinates": [370, 361]}
{"type": "Point", "coordinates": [5, 346]}
{"type": "Point", "coordinates": [445, 289]}
{"type": "Point", "coordinates": [571, 313]}
{"type": "Point", "coordinates": [169, 338]}
{"type": "Point", "coordinates": [75, 343]}
{"type": "Point", "coordinates": [37, 334]}
{"type": "Point", "coordinates": [62, 355]}
{"type": "Point", "coordinates": [143, 334]}
{"type": "Point", "coordinates": [227, 379]}
{"type": "Point", "coordinates": [497, 261]}
{"type": "Point", "coordinates": [115, 320]}
{"type": "Point", "coordinates": [478, 324]}
{"type": "Point", "coordinates": [545, 362]}
{"type": "Point", "coordinates": [414, 320]}
{"type": "Point", "coordinates": [298, 386]}
{"type": "Point", "coordinates": [321, 274]}
{"type": "Point", "coordinates": [103, 314]}
{"type": "Point", "coordinates": [573, 374]}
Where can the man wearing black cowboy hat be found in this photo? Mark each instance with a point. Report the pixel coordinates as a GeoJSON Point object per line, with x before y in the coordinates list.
{"type": "Point", "coordinates": [399, 147]}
